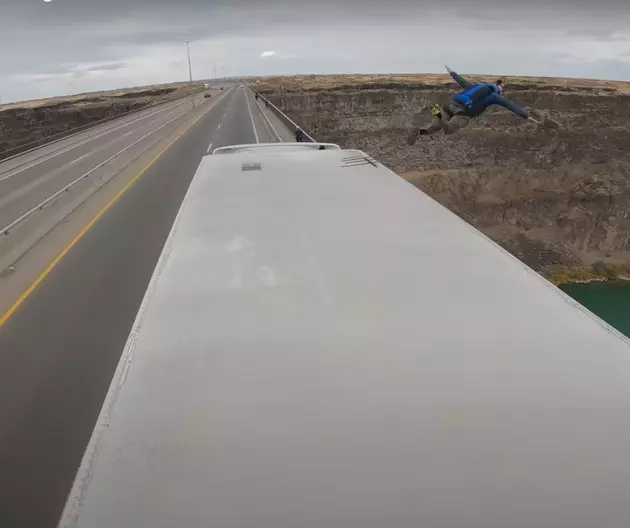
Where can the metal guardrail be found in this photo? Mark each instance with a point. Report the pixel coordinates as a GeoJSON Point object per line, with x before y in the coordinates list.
{"type": "Point", "coordinates": [9, 154]}
{"type": "Point", "coordinates": [292, 125]}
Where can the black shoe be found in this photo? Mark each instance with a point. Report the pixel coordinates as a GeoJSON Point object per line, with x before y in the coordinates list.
{"type": "Point", "coordinates": [423, 132]}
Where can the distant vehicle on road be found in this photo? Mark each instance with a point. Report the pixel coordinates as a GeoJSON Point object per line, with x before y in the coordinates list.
{"type": "Point", "coordinates": [206, 95]}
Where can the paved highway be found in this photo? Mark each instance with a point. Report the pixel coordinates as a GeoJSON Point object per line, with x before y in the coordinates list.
{"type": "Point", "coordinates": [59, 349]}
{"type": "Point", "coordinates": [27, 180]}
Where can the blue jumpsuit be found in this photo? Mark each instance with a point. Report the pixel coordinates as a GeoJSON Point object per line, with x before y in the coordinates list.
{"type": "Point", "coordinates": [482, 105]}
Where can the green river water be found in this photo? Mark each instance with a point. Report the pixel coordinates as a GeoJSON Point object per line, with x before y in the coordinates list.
{"type": "Point", "coordinates": [608, 300]}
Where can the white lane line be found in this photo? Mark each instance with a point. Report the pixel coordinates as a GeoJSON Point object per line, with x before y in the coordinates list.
{"type": "Point", "coordinates": [251, 116]}
{"type": "Point", "coordinates": [126, 134]}
{"type": "Point", "coordinates": [219, 126]}
{"type": "Point", "coordinates": [79, 159]}
{"type": "Point", "coordinates": [209, 148]}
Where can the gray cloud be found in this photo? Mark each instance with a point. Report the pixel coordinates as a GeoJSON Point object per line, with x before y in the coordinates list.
{"type": "Point", "coordinates": [92, 68]}
{"type": "Point", "coordinates": [79, 45]}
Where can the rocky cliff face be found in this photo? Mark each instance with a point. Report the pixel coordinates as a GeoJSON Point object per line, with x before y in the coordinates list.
{"type": "Point", "coordinates": [559, 199]}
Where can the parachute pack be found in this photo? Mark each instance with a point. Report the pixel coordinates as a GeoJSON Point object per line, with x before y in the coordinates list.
{"type": "Point", "coordinates": [468, 98]}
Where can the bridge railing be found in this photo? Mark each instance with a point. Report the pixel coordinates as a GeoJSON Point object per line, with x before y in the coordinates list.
{"type": "Point", "coordinates": [288, 122]}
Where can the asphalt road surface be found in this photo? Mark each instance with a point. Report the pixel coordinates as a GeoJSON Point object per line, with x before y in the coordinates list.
{"type": "Point", "coordinates": [58, 352]}
{"type": "Point", "coordinates": [27, 180]}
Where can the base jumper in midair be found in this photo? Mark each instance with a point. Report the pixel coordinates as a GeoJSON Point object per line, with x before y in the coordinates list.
{"type": "Point", "coordinates": [472, 102]}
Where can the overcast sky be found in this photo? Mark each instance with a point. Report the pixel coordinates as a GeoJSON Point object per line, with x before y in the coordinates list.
{"type": "Point", "coordinates": [71, 46]}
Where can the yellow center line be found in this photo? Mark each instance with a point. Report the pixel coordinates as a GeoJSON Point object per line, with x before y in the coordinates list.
{"type": "Point", "coordinates": [29, 291]}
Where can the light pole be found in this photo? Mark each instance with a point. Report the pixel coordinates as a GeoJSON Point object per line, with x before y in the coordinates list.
{"type": "Point", "coordinates": [189, 64]}
{"type": "Point", "coordinates": [190, 69]}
